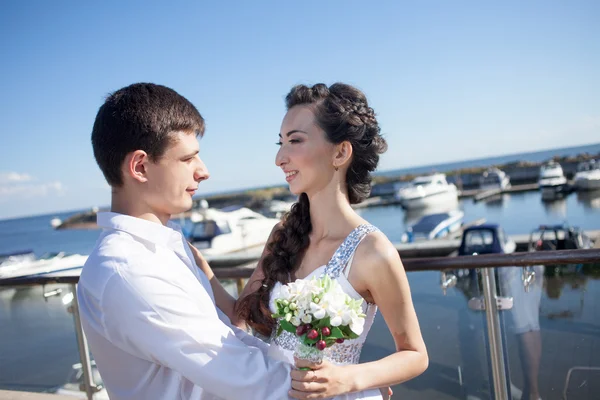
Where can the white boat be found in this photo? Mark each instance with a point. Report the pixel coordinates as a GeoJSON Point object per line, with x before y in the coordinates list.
{"type": "Point", "coordinates": [74, 386]}
{"type": "Point", "coordinates": [434, 226]}
{"type": "Point", "coordinates": [230, 230]}
{"type": "Point", "coordinates": [277, 208]}
{"type": "Point", "coordinates": [50, 262]}
{"type": "Point", "coordinates": [15, 258]}
{"type": "Point", "coordinates": [494, 179]}
{"type": "Point", "coordinates": [588, 175]}
{"type": "Point", "coordinates": [426, 191]}
{"type": "Point", "coordinates": [552, 180]}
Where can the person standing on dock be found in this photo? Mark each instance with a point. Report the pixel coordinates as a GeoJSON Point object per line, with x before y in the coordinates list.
{"type": "Point", "coordinates": [146, 308]}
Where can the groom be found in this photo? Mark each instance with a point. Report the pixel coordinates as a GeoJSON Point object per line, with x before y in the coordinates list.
{"type": "Point", "coordinates": [148, 312]}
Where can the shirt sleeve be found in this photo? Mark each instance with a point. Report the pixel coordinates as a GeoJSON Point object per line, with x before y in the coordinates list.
{"type": "Point", "coordinates": [243, 335]}
{"type": "Point", "coordinates": [161, 322]}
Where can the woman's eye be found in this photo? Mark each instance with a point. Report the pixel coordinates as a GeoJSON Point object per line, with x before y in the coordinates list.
{"type": "Point", "coordinates": [290, 141]}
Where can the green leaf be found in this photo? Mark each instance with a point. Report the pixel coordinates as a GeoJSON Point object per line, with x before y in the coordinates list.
{"type": "Point", "coordinates": [323, 322]}
{"type": "Point", "coordinates": [336, 333]}
{"type": "Point", "coordinates": [310, 342]}
{"type": "Point", "coordinates": [279, 330]}
{"type": "Point", "coordinates": [352, 335]}
{"type": "Point", "coordinates": [287, 326]}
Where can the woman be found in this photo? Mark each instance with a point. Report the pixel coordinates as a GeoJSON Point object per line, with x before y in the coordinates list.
{"type": "Point", "coordinates": [330, 142]}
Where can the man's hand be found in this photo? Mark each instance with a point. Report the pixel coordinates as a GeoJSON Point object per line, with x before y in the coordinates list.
{"type": "Point", "coordinates": [386, 393]}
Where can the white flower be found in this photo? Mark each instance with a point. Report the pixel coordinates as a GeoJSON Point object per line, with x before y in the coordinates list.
{"type": "Point", "coordinates": [275, 295]}
{"type": "Point", "coordinates": [306, 318]}
{"type": "Point", "coordinates": [357, 323]}
{"type": "Point", "coordinates": [295, 321]}
{"type": "Point", "coordinates": [318, 310]}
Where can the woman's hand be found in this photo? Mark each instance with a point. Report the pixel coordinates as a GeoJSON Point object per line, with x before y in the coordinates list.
{"type": "Point", "coordinates": [322, 381]}
{"type": "Point", "coordinates": [201, 261]}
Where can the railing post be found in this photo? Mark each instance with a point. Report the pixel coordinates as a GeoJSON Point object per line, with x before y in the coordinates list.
{"type": "Point", "coordinates": [84, 355]}
{"type": "Point", "coordinates": [240, 285]}
{"type": "Point", "coordinates": [494, 334]}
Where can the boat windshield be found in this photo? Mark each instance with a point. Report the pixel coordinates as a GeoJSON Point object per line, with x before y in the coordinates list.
{"type": "Point", "coordinates": [424, 180]}
{"type": "Point", "coordinates": [588, 166]}
{"type": "Point", "coordinates": [209, 229]}
{"type": "Point", "coordinates": [492, 177]}
{"type": "Point", "coordinates": [478, 241]}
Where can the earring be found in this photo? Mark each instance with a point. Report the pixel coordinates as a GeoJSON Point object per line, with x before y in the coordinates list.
{"type": "Point", "coordinates": [336, 167]}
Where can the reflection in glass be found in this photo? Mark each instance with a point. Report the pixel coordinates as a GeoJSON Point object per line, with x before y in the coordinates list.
{"type": "Point", "coordinates": [525, 322]}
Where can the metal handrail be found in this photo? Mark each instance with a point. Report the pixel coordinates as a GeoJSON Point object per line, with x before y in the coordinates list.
{"type": "Point", "coordinates": [223, 270]}
{"type": "Point", "coordinates": [554, 257]}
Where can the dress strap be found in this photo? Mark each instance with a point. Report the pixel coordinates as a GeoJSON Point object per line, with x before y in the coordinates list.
{"type": "Point", "coordinates": [345, 252]}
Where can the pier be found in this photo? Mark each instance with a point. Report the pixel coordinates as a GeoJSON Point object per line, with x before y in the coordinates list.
{"type": "Point", "coordinates": [454, 333]}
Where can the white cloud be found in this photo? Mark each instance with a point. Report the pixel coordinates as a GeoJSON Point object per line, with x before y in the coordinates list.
{"type": "Point", "coordinates": [15, 186]}
{"type": "Point", "coordinates": [12, 177]}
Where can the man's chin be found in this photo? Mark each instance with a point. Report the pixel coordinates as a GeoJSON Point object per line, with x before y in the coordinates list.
{"type": "Point", "coordinates": [181, 208]}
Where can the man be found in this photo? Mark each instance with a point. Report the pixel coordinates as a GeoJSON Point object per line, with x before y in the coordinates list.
{"type": "Point", "coordinates": [147, 310]}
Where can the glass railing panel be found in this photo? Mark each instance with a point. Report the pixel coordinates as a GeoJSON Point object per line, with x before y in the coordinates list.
{"type": "Point", "coordinates": [552, 333]}
{"type": "Point", "coordinates": [455, 336]}
{"type": "Point", "coordinates": [38, 346]}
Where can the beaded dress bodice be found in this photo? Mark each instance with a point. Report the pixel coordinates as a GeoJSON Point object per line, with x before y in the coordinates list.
{"type": "Point", "coordinates": [347, 352]}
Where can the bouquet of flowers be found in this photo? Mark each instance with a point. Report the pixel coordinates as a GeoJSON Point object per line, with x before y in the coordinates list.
{"type": "Point", "coordinates": [318, 312]}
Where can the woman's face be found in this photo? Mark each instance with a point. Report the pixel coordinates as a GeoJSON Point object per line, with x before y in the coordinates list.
{"type": "Point", "coordinates": [305, 155]}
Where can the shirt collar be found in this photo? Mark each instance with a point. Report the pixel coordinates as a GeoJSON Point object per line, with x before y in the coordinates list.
{"type": "Point", "coordinates": [146, 230]}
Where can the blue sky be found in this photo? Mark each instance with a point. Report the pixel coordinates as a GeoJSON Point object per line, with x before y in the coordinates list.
{"type": "Point", "coordinates": [450, 80]}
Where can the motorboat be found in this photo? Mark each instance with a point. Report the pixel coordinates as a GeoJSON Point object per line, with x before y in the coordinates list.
{"type": "Point", "coordinates": [588, 175]}
{"type": "Point", "coordinates": [434, 226]}
{"type": "Point", "coordinates": [277, 208]}
{"type": "Point", "coordinates": [75, 384]}
{"type": "Point", "coordinates": [49, 262]}
{"type": "Point", "coordinates": [559, 237]}
{"type": "Point", "coordinates": [16, 258]}
{"type": "Point", "coordinates": [552, 180]}
{"type": "Point", "coordinates": [494, 179]}
{"type": "Point", "coordinates": [426, 191]}
{"type": "Point", "coordinates": [230, 230]}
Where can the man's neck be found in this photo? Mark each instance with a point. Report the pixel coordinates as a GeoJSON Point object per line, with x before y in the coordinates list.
{"type": "Point", "coordinates": [127, 205]}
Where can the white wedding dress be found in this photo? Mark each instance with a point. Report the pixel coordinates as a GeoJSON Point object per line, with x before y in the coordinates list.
{"type": "Point", "coordinates": [348, 352]}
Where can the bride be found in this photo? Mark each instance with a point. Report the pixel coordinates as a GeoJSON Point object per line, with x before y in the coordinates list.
{"type": "Point", "coordinates": [330, 142]}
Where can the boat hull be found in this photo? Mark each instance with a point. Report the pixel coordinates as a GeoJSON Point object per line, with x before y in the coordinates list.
{"type": "Point", "coordinates": [431, 200]}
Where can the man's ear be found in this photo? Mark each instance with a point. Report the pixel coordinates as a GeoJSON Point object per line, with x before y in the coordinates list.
{"type": "Point", "coordinates": [343, 154]}
{"type": "Point", "coordinates": [135, 165]}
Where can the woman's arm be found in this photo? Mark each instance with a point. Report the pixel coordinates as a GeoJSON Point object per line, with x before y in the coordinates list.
{"type": "Point", "coordinates": [377, 271]}
{"type": "Point", "coordinates": [224, 300]}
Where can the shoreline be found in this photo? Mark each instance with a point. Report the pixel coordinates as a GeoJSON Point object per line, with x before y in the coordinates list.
{"type": "Point", "coordinates": [466, 179]}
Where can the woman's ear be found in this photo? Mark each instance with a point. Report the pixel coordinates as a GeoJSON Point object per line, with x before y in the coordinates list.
{"type": "Point", "coordinates": [342, 154]}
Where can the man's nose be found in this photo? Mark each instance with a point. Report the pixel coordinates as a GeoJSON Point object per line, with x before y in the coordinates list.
{"type": "Point", "coordinates": [201, 173]}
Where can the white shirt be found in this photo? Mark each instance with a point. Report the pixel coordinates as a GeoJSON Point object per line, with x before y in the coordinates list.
{"type": "Point", "coordinates": [149, 315]}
